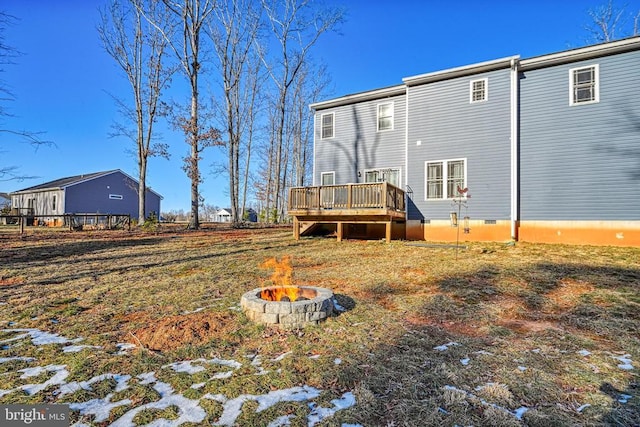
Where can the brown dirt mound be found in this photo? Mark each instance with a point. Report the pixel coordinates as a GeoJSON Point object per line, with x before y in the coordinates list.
{"type": "Point", "coordinates": [174, 332]}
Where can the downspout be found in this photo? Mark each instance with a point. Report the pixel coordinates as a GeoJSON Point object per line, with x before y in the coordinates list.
{"type": "Point", "coordinates": [515, 176]}
{"type": "Point", "coordinates": [406, 152]}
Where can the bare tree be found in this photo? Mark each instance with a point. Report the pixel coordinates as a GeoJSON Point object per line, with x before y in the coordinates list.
{"type": "Point", "coordinates": [7, 56]}
{"type": "Point", "coordinates": [296, 26]}
{"type": "Point", "coordinates": [192, 17]}
{"type": "Point", "coordinates": [139, 49]}
{"type": "Point", "coordinates": [233, 34]}
{"type": "Point", "coordinates": [611, 22]}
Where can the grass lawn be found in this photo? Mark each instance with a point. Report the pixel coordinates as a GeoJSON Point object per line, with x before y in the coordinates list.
{"type": "Point", "coordinates": [130, 328]}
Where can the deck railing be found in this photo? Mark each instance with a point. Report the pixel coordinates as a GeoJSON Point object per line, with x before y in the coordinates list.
{"type": "Point", "coordinates": [377, 195]}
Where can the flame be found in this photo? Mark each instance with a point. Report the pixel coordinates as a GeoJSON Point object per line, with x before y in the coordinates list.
{"type": "Point", "coordinates": [281, 280]}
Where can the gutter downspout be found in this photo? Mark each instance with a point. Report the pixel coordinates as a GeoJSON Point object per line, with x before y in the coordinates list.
{"type": "Point", "coordinates": [515, 101]}
{"type": "Point", "coordinates": [313, 172]}
{"type": "Point", "coordinates": [406, 156]}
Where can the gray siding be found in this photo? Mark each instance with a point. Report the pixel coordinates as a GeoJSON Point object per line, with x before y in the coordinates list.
{"type": "Point", "coordinates": [450, 127]}
{"type": "Point", "coordinates": [581, 162]}
{"type": "Point", "coordinates": [357, 145]}
{"type": "Point", "coordinates": [92, 196]}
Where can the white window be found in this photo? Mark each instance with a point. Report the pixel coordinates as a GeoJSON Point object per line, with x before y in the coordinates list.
{"type": "Point", "coordinates": [115, 196]}
{"type": "Point", "coordinates": [328, 127]}
{"type": "Point", "coordinates": [328, 178]}
{"type": "Point", "coordinates": [443, 177]}
{"type": "Point", "coordinates": [385, 116]}
{"type": "Point", "coordinates": [584, 85]}
{"type": "Point", "coordinates": [390, 175]}
{"type": "Point", "coordinates": [478, 90]}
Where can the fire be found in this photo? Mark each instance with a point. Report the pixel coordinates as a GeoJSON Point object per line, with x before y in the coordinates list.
{"type": "Point", "coordinates": [281, 280]}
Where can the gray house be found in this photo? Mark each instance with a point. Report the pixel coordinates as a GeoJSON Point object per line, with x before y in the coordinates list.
{"type": "Point", "coordinates": [109, 192]}
{"type": "Point", "coordinates": [548, 148]}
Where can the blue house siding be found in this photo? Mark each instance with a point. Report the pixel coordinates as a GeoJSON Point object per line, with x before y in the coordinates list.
{"type": "Point", "coordinates": [357, 145]}
{"type": "Point", "coordinates": [580, 162]}
{"type": "Point", "coordinates": [101, 195]}
{"type": "Point", "coordinates": [444, 125]}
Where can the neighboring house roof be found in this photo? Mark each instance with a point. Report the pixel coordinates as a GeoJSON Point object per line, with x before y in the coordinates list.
{"type": "Point", "coordinates": [226, 211]}
{"type": "Point", "coordinates": [62, 183]}
{"type": "Point", "coordinates": [5, 196]}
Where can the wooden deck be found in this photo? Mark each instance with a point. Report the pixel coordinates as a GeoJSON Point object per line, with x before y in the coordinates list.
{"type": "Point", "coordinates": [372, 203]}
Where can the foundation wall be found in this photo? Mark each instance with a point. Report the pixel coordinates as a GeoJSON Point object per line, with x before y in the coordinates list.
{"type": "Point", "coordinates": [442, 231]}
{"type": "Point", "coordinates": [602, 233]}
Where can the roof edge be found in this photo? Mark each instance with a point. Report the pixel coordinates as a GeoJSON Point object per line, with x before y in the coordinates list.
{"type": "Point", "coordinates": [582, 53]}
{"type": "Point", "coordinates": [361, 96]}
{"type": "Point", "coordinates": [480, 67]}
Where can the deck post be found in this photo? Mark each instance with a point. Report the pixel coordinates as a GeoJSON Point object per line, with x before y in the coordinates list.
{"type": "Point", "coordinates": [388, 231]}
{"type": "Point", "coordinates": [339, 229]}
{"type": "Point", "coordinates": [296, 228]}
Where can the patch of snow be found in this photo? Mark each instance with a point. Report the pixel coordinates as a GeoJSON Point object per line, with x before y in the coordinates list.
{"type": "Point", "coordinates": [100, 408]}
{"type": "Point", "coordinates": [445, 347]}
{"type": "Point", "coordinates": [337, 361]}
{"type": "Point", "coordinates": [58, 378]}
{"type": "Point", "coordinates": [77, 348]}
{"type": "Point", "coordinates": [233, 407]}
{"type": "Point", "coordinates": [38, 337]}
{"type": "Point", "coordinates": [282, 356]}
{"type": "Point", "coordinates": [222, 375]}
{"type": "Point", "coordinates": [583, 407]}
{"type": "Point", "coordinates": [314, 356]}
{"type": "Point", "coordinates": [483, 352]}
{"type": "Point", "coordinates": [147, 378]}
{"type": "Point", "coordinates": [319, 413]}
{"type": "Point", "coordinates": [465, 361]}
{"type": "Point", "coordinates": [626, 362]}
{"type": "Point", "coordinates": [198, 386]}
{"type": "Point", "coordinates": [535, 350]}
{"type": "Point", "coordinates": [123, 347]}
{"type": "Point", "coordinates": [23, 359]}
{"type": "Point", "coordinates": [584, 352]}
{"type": "Point", "coordinates": [522, 368]}
{"type": "Point", "coordinates": [121, 383]}
{"type": "Point", "coordinates": [624, 398]}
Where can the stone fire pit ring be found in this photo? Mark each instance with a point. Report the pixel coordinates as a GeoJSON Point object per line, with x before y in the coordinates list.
{"type": "Point", "coordinates": [316, 305]}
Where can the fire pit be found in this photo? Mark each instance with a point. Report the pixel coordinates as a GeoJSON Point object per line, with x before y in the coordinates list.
{"type": "Point", "coordinates": [312, 305]}
{"type": "Point", "coordinates": [284, 305]}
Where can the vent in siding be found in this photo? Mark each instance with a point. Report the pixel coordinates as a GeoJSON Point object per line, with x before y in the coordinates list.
{"type": "Point", "coordinates": [489, 221]}
{"type": "Point", "coordinates": [425, 221]}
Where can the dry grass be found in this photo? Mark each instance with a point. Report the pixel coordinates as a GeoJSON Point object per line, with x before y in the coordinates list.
{"type": "Point", "coordinates": [518, 316]}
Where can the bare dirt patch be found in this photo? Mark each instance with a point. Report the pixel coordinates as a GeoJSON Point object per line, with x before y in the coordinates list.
{"type": "Point", "coordinates": [173, 332]}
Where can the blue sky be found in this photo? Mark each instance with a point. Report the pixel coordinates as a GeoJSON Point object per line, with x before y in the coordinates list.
{"type": "Point", "coordinates": [62, 83]}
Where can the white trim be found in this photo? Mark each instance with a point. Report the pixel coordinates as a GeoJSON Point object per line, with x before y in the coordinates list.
{"type": "Point", "coordinates": [315, 154]}
{"type": "Point", "coordinates": [466, 70]}
{"type": "Point", "coordinates": [406, 147]}
{"type": "Point", "coordinates": [399, 169]}
{"type": "Point", "coordinates": [393, 112]}
{"type": "Point", "coordinates": [444, 162]}
{"type": "Point", "coordinates": [514, 98]}
{"type": "Point", "coordinates": [581, 54]}
{"type": "Point", "coordinates": [333, 125]}
{"type": "Point", "coordinates": [485, 91]}
{"type": "Point", "coordinates": [360, 97]}
{"type": "Point", "coordinates": [332, 173]}
{"type": "Point", "coordinates": [596, 85]}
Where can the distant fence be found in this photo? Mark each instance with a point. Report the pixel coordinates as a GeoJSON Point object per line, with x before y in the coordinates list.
{"type": "Point", "coordinates": [76, 221]}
